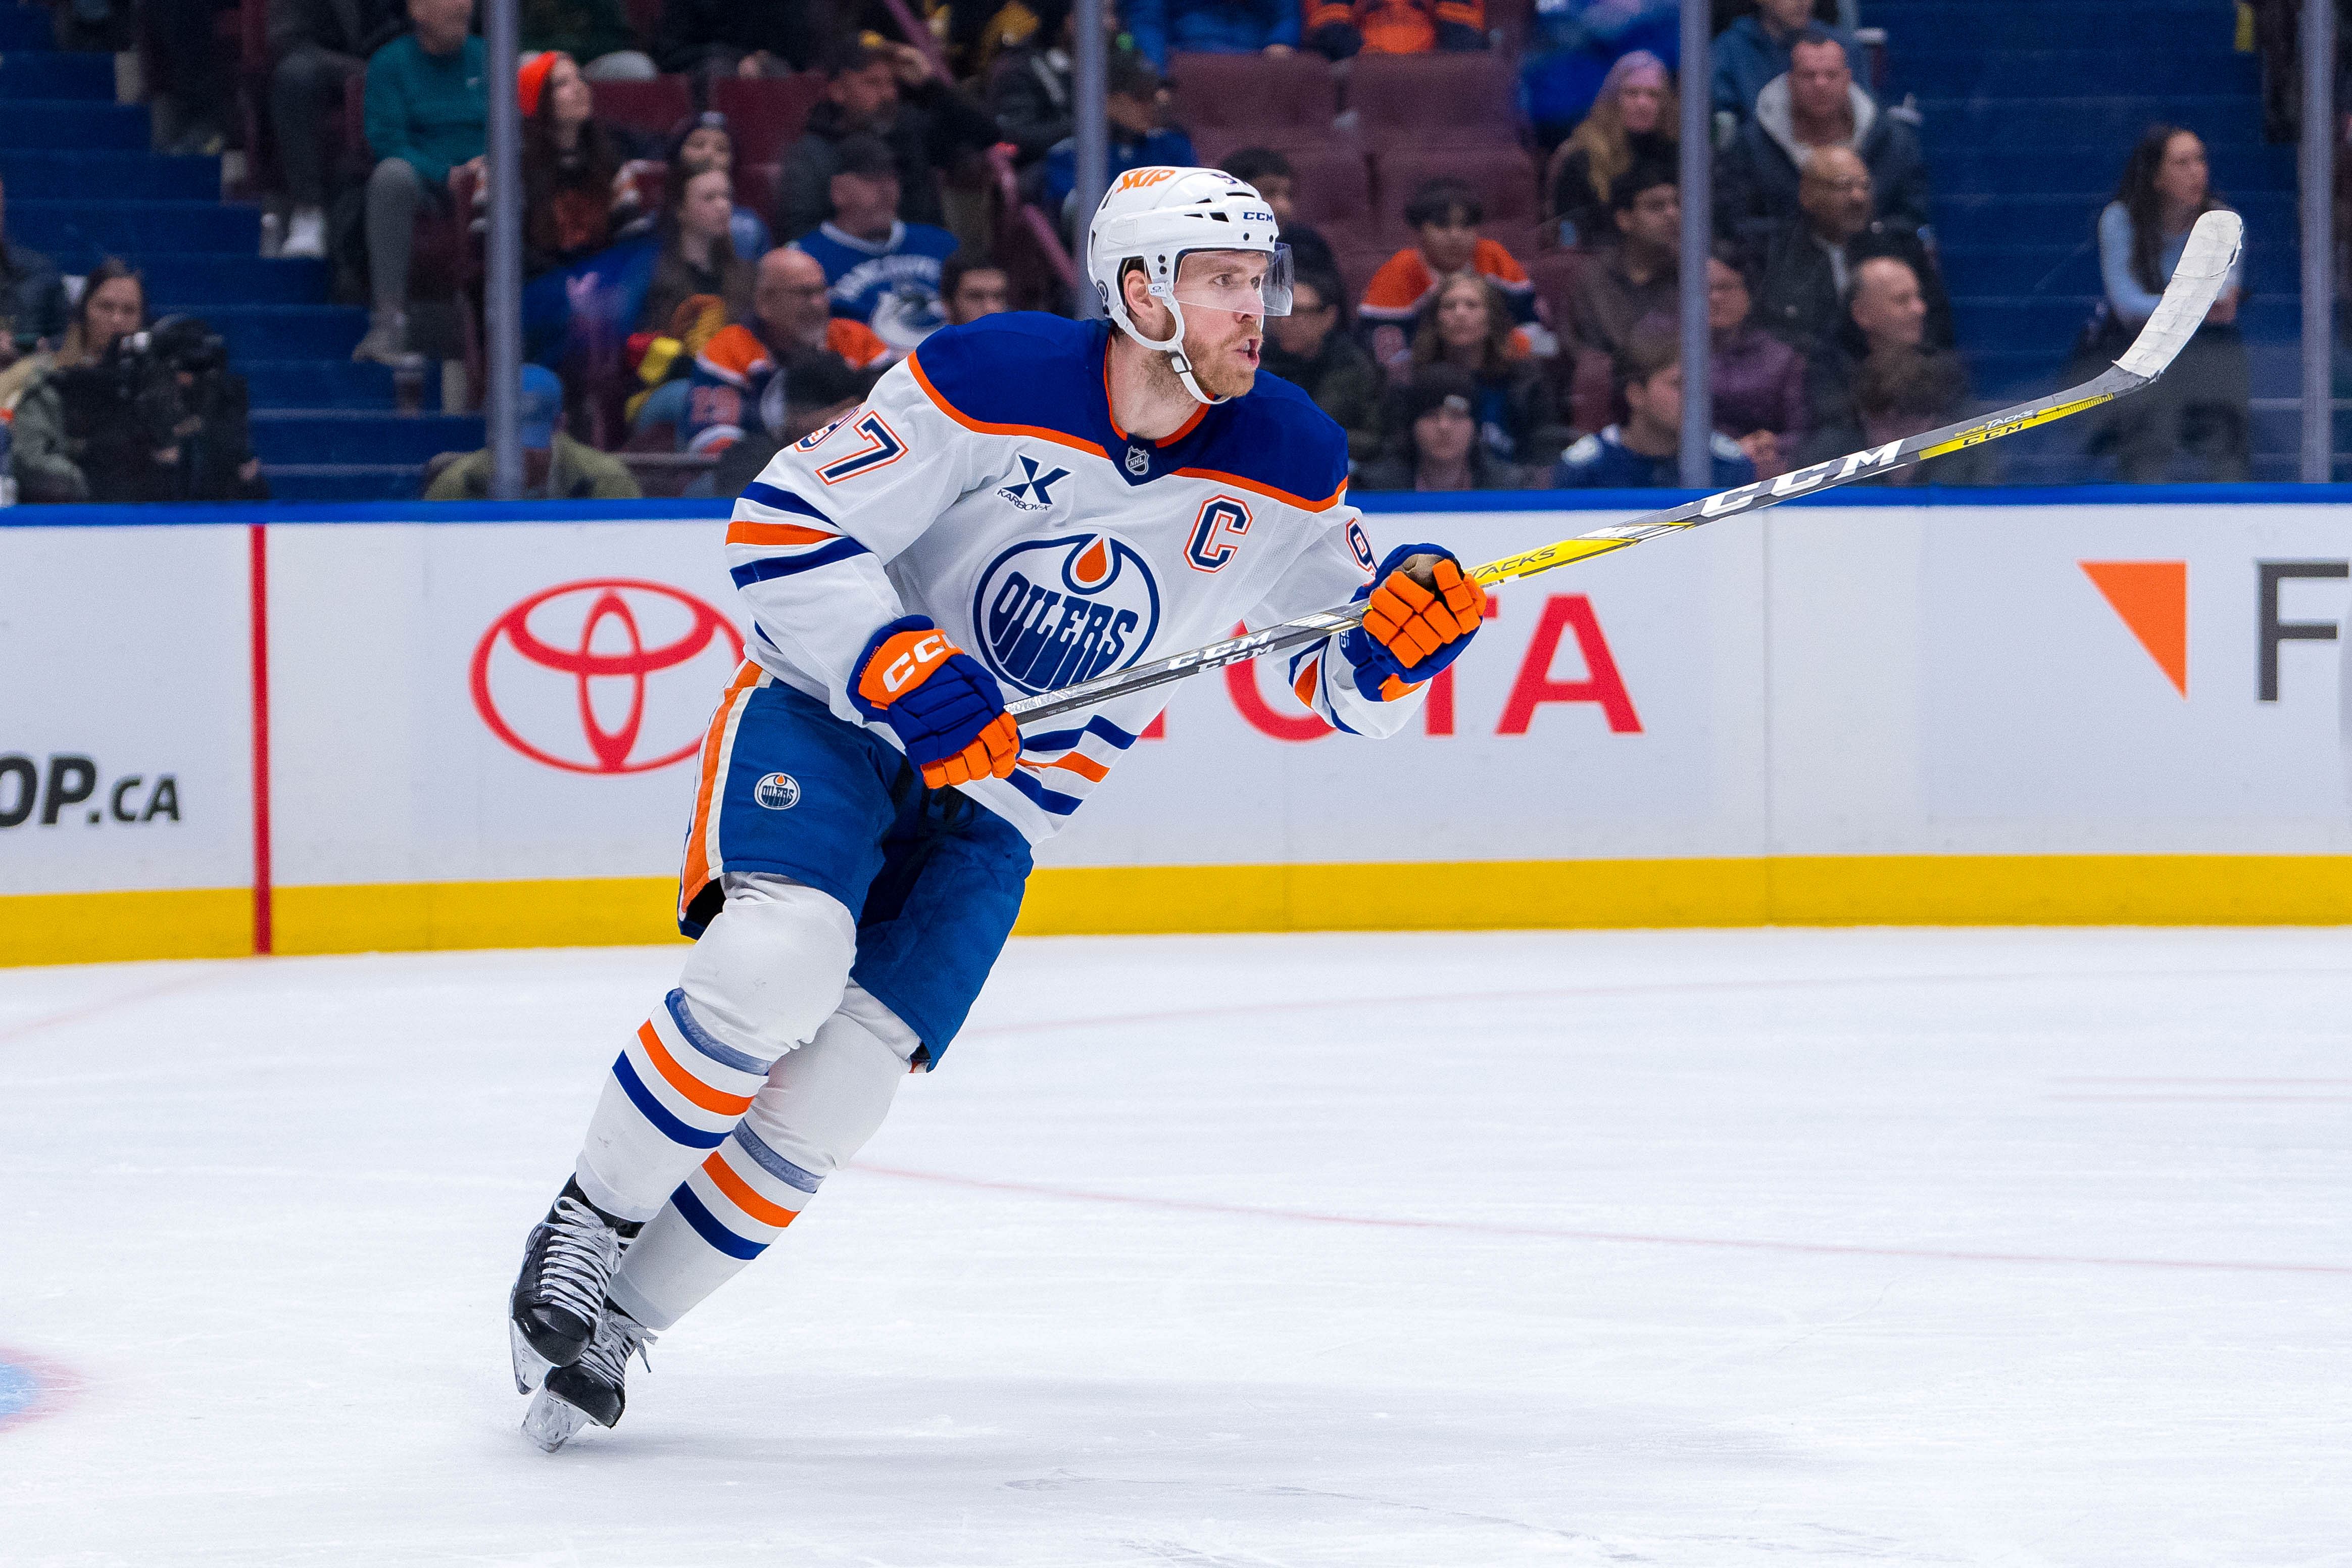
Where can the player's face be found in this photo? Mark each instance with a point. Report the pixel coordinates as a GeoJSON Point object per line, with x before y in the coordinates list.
{"type": "Point", "coordinates": [1223, 293]}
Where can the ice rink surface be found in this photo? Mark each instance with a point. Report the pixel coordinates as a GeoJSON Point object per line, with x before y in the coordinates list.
{"type": "Point", "coordinates": [1706, 1248]}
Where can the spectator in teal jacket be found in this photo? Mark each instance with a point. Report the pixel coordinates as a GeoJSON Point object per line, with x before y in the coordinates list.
{"type": "Point", "coordinates": [427, 113]}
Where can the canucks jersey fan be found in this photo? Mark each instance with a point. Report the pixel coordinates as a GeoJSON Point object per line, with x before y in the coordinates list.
{"type": "Point", "coordinates": [879, 270]}
{"type": "Point", "coordinates": [1023, 503]}
{"type": "Point", "coordinates": [1644, 452]}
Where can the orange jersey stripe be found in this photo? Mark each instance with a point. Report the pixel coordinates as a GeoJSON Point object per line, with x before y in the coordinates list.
{"type": "Point", "coordinates": [1326, 504]}
{"type": "Point", "coordinates": [695, 874]}
{"type": "Point", "coordinates": [739, 1192]}
{"type": "Point", "coordinates": [1059, 438]}
{"type": "Point", "coordinates": [741, 532]}
{"type": "Point", "coordinates": [684, 1082]}
{"type": "Point", "coordinates": [1305, 689]}
{"type": "Point", "coordinates": [1084, 766]}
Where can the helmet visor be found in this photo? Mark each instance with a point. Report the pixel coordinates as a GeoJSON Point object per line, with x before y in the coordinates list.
{"type": "Point", "coordinates": [1246, 282]}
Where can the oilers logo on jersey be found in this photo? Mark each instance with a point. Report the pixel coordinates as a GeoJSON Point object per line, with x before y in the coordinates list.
{"type": "Point", "coordinates": [1054, 612]}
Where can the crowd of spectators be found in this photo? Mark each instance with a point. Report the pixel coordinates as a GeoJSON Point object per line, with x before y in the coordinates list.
{"type": "Point", "coordinates": [680, 300]}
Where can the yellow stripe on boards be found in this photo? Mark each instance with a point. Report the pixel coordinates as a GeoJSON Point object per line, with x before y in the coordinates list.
{"type": "Point", "coordinates": [98, 928]}
{"type": "Point", "coordinates": [410, 917]}
{"type": "Point", "coordinates": [1821, 890]}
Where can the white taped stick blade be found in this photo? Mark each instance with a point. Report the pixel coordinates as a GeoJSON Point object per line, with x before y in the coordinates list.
{"type": "Point", "coordinates": [2196, 283]}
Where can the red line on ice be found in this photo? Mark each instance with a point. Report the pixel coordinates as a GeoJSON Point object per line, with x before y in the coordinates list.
{"type": "Point", "coordinates": [1479, 1227]}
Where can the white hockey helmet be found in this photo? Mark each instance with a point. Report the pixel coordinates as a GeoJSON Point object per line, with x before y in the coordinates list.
{"type": "Point", "coordinates": [1157, 215]}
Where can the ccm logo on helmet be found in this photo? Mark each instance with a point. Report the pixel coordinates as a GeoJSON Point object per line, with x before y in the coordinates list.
{"type": "Point", "coordinates": [928, 649]}
{"type": "Point", "coordinates": [1142, 179]}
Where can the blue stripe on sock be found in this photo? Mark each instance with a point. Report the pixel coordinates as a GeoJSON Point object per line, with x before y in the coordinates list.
{"type": "Point", "coordinates": [709, 1229]}
{"type": "Point", "coordinates": [702, 1040]}
{"type": "Point", "coordinates": [775, 1164]}
{"type": "Point", "coordinates": [653, 1109]}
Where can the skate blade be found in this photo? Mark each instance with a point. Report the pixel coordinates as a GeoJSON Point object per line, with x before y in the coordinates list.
{"type": "Point", "coordinates": [531, 1368]}
{"type": "Point", "coordinates": [553, 1422]}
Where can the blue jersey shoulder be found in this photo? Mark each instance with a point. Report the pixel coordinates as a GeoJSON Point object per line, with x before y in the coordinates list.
{"type": "Point", "coordinates": [1277, 437]}
{"type": "Point", "coordinates": [1018, 367]}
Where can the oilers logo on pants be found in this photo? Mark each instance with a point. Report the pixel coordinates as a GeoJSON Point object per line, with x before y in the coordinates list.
{"type": "Point", "coordinates": [1054, 612]}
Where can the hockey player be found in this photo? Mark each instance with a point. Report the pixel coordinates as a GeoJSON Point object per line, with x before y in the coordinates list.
{"type": "Point", "coordinates": [1023, 503]}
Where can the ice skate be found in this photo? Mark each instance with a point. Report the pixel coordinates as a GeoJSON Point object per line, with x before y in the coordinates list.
{"type": "Point", "coordinates": [593, 1388]}
{"type": "Point", "coordinates": [552, 1313]}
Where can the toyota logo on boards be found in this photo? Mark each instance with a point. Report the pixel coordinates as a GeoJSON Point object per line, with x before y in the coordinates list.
{"type": "Point", "coordinates": [610, 675]}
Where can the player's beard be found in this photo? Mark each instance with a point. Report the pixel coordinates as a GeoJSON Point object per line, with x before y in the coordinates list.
{"type": "Point", "coordinates": [1216, 369]}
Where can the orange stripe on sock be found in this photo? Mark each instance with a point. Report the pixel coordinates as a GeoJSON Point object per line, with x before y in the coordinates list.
{"type": "Point", "coordinates": [684, 1082]}
{"type": "Point", "coordinates": [739, 1192]}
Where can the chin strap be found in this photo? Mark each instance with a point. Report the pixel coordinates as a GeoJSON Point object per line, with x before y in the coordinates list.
{"type": "Point", "coordinates": [1174, 348]}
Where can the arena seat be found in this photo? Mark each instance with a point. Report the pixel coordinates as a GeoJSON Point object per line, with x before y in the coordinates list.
{"type": "Point", "coordinates": [1254, 98]}
{"type": "Point", "coordinates": [1427, 101]}
{"type": "Point", "coordinates": [652, 107]}
{"type": "Point", "coordinates": [766, 114]}
{"type": "Point", "coordinates": [1503, 175]}
{"type": "Point", "coordinates": [1332, 193]}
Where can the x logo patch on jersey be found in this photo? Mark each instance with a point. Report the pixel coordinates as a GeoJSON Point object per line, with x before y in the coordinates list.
{"type": "Point", "coordinates": [1036, 492]}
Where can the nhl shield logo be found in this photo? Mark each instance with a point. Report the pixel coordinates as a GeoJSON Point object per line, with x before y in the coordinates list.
{"type": "Point", "coordinates": [1138, 461]}
{"type": "Point", "coordinates": [1052, 612]}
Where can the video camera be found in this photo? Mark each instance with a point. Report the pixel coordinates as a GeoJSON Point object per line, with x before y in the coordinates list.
{"type": "Point", "coordinates": [150, 391]}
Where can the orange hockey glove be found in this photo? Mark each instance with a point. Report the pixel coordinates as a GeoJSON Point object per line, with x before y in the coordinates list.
{"type": "Point", "coordinates": [1411, 632]}
{"type": "Point", "coordinates": [946, 710]}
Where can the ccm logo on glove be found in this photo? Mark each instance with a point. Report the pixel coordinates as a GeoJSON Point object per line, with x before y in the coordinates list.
{"type": "Point", "coordinates": [928, 649]}
{"type": "Point", "coordinates": [1412, 630]}
{"type": "Point", "coordinates": [945, 709]}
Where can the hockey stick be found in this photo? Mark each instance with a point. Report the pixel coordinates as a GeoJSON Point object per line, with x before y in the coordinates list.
{"type": "Point", "coordinates": [2196, 282]}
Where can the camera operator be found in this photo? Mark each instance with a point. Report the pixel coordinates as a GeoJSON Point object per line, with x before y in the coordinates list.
{"type": "Point", "coordinates": [160, 417]}
{"type": "Point", "coordinates": [113, 304]}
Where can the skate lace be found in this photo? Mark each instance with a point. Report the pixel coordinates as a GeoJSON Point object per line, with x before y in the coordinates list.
{"type": "Point", "coordinates": [581, 1252]}
{"type": "Point", "coordinates": [618, 1337]}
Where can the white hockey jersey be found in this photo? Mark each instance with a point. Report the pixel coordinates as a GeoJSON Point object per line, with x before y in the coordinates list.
{"type": "Point", "coordinates": [985, 484]}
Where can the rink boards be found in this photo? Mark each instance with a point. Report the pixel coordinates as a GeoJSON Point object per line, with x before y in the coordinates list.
{"type": "Point", "coordinates": [383, 728]}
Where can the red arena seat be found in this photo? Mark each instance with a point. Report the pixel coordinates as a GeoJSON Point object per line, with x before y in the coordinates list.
{"type": "Point", "coordinates": [1504, 176]}
{"type": "Point", "coordinates": [1251, 98]}
{"type": "Point", "coordinates": [766, 114]}
{"type": "Point", "coordinates": [1421, 101]}
{"type": "Point", "coordinates": [653, 107]}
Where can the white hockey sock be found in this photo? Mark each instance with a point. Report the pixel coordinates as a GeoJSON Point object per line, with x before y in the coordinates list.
{"type": "Point", "coordinates": [766, 974]}
{"type": "Point", "coordinates": [817, 1109]}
